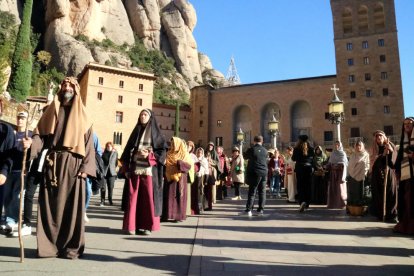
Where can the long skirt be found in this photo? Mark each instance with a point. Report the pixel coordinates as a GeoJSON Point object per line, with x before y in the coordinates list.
{"type": "Point", "coordinates": [337, 194]}
{"type": "Point", "coordinates": [319, 189]}
{"type": "Point", "coordinates": [175, 204]}
{"type": "Point", "coordinates": [60, 225]}
{"type": "Point", "coordinates": [291, 187]}
{"type": "Point", "coordinates": [197, 195]}
{"type": "Point", "coordinates": [405, 208]}
{"type": "Point", "coordinates": [140, 213]}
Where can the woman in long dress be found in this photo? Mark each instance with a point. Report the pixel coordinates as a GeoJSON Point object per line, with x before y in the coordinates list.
{"type": "Point", "coordinates": [319, 185]}
{"type": "Point", "coordinates": [290, 176]}
{"type": "Point", "coordinates": [358, 168]}
{"type": "Point", "coordinates": [337, 166]}
{"type": "Point", "coordinates": [142, 161]}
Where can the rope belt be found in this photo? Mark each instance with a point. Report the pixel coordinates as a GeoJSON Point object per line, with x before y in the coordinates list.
{"type": "Point", "coordinates": [52, 164]}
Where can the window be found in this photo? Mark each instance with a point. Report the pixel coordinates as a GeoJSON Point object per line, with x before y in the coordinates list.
{"type": "Point", "coordinates": [172, 126]}
{"type": "Point", "coordinates": [100, 80]}
{"type": "Point", "coordinates": [354, 111]}
{"type": "Point", "coordinates": [160, 126]}
{"type": "Point", "coordinates": [349, 46]}
{"type": "Point", "coordinates": [385, 92]}
{"type": "Point", "coordinates": [389, 130]}
{"type": "Point", "coordinates": [117, 140]}
{"type": "Point", "coordinates": [350, 61]}
{"type": "Point", "coordinates": [201, 123]}
{"type": "Point", "coordinates": [352, 94]}
{"type": "Point", "coordinates": [387, 109]}
{"type": "Point", "coordinates": [381, 42]}
{"type": "Point", "coordinates": [328, 135]}
{"type": "Point", "coordinates": [219, 123]}
{"type": "Point", "coordinates": [219, 141]}
{"type": "Point", "coordinates": [365, 44]}
{"type": "Point", "coordinates": [326, 115]}
{"type": "Point", "coordinates": [201, 109]}
{"type": "Point", "coordinates": [367, 76]}
{"type": "Point", "coordinates": [140, 103]}
{"type": "Point", "coordinates": [368, 93]}
{"type": "Point", "coordinates": [141, 87]}
{"type": "Point", "coordinates": [119, 117]}
{"type": "Point", "coordinates": [120, 99]}
{"type": "Point", "coordinates": [351, 78]}
{"type": "Point", "coordinates": [100, 96]}
{"type": "Point", "coordinates": [366, 60]}
{"type": "Point", "coordinates": [382, 58]}
{"type": "Point", "coordinates": [121, 84]}
{"type": "Point", "coordinates": [355, 132]}
{"type": "Point", "coordinates": [384, 75]}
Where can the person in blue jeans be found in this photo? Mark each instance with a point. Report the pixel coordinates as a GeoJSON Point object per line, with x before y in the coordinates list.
{"type": "Point", "coordinates": [98, 150]}
{"type": "Point", "coordinates": [275, 168]}
{"type": "Point", "coordinates": [256, 173]}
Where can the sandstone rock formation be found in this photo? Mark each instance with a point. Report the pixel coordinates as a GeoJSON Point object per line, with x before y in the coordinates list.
{"type": "Point", "coordinates": [165, 25]}
{"type": "Point", "coordinates": [12, 6]}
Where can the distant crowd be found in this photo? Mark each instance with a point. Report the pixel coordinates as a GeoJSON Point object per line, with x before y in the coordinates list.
{"type": "Point", "coordinates": [171, 180]}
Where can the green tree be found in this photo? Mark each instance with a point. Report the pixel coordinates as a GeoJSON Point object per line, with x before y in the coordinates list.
{"type": "Point", "coordinates": [7, 40]}
{"type": "Point", "coordinates": [20, 79]}
{"type": "Point", "coordinates": [177, 119]}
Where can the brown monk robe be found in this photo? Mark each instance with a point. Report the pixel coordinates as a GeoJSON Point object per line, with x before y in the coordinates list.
{"type": "Point", "coordinates": [65, 133]}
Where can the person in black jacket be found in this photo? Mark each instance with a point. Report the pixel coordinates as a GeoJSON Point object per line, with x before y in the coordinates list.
{"type": "Point", "coordinates": [256, 173]}
{"type": "Point", "coordinates": [303, 154]}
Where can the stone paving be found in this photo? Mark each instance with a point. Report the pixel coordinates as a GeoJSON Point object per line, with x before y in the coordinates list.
{"type": "Point", "coordinates": [282, 242]}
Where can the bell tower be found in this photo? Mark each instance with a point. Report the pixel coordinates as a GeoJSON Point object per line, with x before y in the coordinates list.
{"type": "Point", "coordinates": [368, 67]}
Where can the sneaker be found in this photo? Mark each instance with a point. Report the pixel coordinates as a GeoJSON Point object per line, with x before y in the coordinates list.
{"type": "Point", "coordinates": [235, 198]}
{"type": "Point", "coordinates": [146, 232]}
{"type": "Point", "coordinates": [11, 227]}
{"type": "Point", "coordinates": [239, 198]}
{"type": "Point", "coordinates": [25, 231]}
{"type": "Point", "coordinates": [102, 204]}
{"type": "Point", "coordinates": [259, 213]}
{"type": "Point", "coordinates": [279, 196]}
{"type": "Point", "coordinates": [302, 207]}
{"type": "Point", "coordinates": [246, 213]}
{"type": "Point", "coordinates": [85, 218]}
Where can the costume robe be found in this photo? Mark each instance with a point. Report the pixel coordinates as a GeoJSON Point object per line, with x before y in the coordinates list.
{"type": "Point", "coordinates": [61, 208]}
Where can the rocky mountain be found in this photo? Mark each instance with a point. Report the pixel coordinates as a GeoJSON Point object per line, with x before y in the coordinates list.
{"type": "Point", "coordinates": [165, 25]}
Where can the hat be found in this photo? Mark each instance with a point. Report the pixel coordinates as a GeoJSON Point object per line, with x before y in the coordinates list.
{"type": "Point", "coordinates": [210, 143]}
{"type": "Point", "coordinates": [23, 114]}
{"type": "Point", "coordinates": [272, 151]}
{"type": "Point", "coordinates": [235, 149]}
{"type": "Point", "coordinates": [303, 137]}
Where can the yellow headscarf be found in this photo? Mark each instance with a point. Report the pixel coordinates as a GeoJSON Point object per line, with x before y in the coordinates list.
{"type": "Point", "coordinates": [177, 151]}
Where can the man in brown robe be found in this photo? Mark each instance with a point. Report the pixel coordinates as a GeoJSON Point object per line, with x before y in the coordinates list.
{"type": "Point", "coordinates": [64, 139]}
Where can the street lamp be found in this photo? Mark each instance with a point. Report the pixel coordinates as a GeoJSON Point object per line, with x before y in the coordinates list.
{"type": "Point", "coordinates": [240, 139]}
{"type": "Point", "coordinates": [273, 126]}
{"type": "Point", "coordinates": [336, 111]}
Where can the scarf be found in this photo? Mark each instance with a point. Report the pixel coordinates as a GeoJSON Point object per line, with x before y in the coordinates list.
{"type": "Point", "coordinates": [142, 166]}
{"type": "Point", "coordinates": [77, 124]}
{"type": "Point", "coordinates": [358, 165]}
{"type": "Point", "coordinates": [178, 151]}
{"type": "Point", "coordinates": [406, 167]}
{"type": "Point", "coordinates": [337, 157]}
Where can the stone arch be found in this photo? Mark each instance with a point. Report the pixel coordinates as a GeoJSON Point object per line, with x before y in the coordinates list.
{"type": "Point", "coordinates": [242, 118]}
{"type": "Point", "coordinates": [379, 16]}
{"type": "Point", "coordinates": [347, 20]}
{"type": "Point", "coordinates": [266, 115]}
{"type": "Point", "coordinates": [301, 119]}
{"type": "Point", "coordinates": [363, 18]}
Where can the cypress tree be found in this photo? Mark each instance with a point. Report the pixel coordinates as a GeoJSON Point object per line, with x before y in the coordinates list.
{"type": "Point", "coordinates": [20, 79]}
{"type": "Point", "coordinates": [177, 119]}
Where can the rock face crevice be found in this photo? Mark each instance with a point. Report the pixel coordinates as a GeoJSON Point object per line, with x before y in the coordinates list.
{"type": "Point", "coordinates": [165, 25]}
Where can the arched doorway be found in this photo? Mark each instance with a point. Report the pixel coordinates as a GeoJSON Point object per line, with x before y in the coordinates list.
{"type": "Point", "coordinates": [242, 119]}
{"type": "Point", "coordinates": [268, 111]}
{"type": "Point", "coordinates": [301, 119]}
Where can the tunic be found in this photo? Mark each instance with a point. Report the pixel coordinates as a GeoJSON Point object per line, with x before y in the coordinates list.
{"type": "Point", "coordinates": [175, 195]}
{"type": "Point", "coordinates": [337, 194]}
{"type": "Point", "coordinates": [60, 226]}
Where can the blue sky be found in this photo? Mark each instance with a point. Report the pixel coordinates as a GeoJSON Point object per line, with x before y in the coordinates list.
{"type": "Point", "coordinates": [284, 39]}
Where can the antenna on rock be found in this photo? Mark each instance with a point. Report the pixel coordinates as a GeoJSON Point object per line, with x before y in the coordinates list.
{"type": "Point", "coordinates": [232, 77]}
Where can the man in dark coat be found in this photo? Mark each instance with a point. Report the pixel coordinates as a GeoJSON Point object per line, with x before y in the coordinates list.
{"type": "Point", "coordinates": [256, 173]}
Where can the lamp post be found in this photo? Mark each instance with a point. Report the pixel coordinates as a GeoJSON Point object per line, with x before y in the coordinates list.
{"type": "Point", "coordinates": [240, 139]}
{"type": "Point", "coordinates": [336, 111]}
{"type": "Point", "coordinates": [273, 126]}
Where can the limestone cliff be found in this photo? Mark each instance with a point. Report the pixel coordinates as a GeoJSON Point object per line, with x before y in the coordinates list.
{"type": "Point", "coordinates": [165, 25]}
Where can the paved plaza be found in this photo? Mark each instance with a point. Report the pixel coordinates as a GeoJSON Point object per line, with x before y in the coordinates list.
{"type": "Point", "coordinates": [282, 242]}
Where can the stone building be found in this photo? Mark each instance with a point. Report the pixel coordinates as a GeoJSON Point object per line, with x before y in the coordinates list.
{"type": "Point", "coordinates": [368, 76]}
{"type": "Point", "coordinates": [165, 115]}
{"type": "Point", "coordinates": [114, 97]}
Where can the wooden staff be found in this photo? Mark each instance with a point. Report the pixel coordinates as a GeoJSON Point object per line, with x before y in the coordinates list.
{"type": "Point", "coordinates": [22, 182]}
{"type": "Point", "coordinates": [384, 209]}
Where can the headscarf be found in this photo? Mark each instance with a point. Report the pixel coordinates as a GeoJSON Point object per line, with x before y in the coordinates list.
{"type": "Point", "coordinates": [359, 163]}
{"type": "Point", "coordinates": [178, 151]}
{"type": "Point", "coordinates": [76, 126]}
{"type": "Point", "coordinates": [376, 148]}
{"type": "Point", "coordinates": [319, 159]}
{"type": "Point", "coordinates": [338, 156]}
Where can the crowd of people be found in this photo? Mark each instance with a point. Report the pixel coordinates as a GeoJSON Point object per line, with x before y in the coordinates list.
{"type": "Point", "coordinates": [167, 181]}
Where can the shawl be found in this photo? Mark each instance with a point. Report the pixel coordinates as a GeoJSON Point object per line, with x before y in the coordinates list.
{"type": "Point", "coordinates": [157, 143]}
{"type": "Point", "coordinates": [177, 151]}
{"type": "Point", "coordinates": [76, 126]}
{"type": "Point", "coordinates": [404, 165]}
{"type": "Point", "coordinates": [358, 165]}
{"type": "Point", "coordinates": [319, 159]}
{"type": "Point", "coordinates": [339, 157]}
{"type": "Point", "coordinates": [376, 148]}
